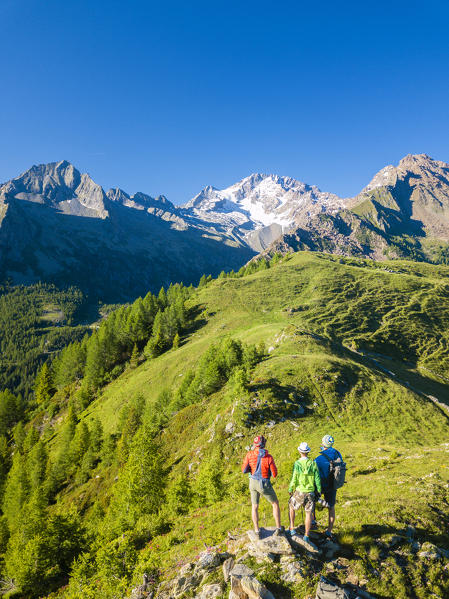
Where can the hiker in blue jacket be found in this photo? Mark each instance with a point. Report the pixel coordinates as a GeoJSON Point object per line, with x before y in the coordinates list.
{"type": "Point", "coordinates": [329, 492]}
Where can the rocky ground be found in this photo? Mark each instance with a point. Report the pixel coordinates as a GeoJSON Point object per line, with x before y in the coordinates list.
{"type": "Point", "coordinates": [242, 571]}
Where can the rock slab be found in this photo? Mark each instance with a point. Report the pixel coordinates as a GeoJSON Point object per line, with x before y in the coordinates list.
{"type": "Point", "coordinates": [268, 543]}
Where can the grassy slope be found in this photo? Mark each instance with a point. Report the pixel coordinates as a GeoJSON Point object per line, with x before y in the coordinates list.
{"type": "Point", "coordinates": [312, 312]}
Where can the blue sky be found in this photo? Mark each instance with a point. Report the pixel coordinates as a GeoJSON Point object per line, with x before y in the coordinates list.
{"type": "Point", "coordinates": [167, 97]}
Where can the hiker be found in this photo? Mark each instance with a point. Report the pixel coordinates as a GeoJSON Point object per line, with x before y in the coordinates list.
{"type": "Point", "coordinates": [305, 480]}
{"type": "Point", "coordinates": [328, 482]}
{"type": "Point", "coordinates": [260, 464]}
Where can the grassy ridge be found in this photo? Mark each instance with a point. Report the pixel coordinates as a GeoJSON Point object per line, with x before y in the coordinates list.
{"type": "Point", "coordinates": [353, 349]}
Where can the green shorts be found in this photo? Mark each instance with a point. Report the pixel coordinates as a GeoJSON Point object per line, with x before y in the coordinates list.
{"type": "Point", "coordinates": [258, 488]}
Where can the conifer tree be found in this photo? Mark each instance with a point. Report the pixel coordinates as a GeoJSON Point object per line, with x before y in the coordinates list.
{"type": "Point", "coordinates": [95, 362]}
{"type": "Point", "coordinates": [69, 365]}
{"type": "Point", "coordinates": [134, 360]}
{"type": "Point", "coordinates": [140, 488]}
{"type": "Point", "coordinates": [44, 387]}
{"type": "Point", "coordinates": [162, 299]}
{"type": "Point", "coordinates": [19, 435]}
{"type": "Point", "coordinates": [10, 411]}
{"type": "Point", "coordinates": [96, 436]}
{"type": "Point", "coordinates": [179, 495]}
{"type": "Point", "coordinates": [5, 463]}
{"type": "Point", "coordinates": [176, 341]}
{"type": "Point", "coordinates": [32, 437]}
{"type": "Point", "coordinates": [16, 490]}
{"type": "Point", "coordinates": [79, 444]}
{"type": "Point", "coordinates": [36, 465]}
{"type": "Point", "coordinates": [209, 486]}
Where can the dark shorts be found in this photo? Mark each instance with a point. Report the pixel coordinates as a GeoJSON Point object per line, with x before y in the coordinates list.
{"type": "Point", "coordinates": [330, 496]}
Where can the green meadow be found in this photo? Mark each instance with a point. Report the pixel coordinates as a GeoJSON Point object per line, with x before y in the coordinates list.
{"type": "Point", "coordinates": [352, 348]}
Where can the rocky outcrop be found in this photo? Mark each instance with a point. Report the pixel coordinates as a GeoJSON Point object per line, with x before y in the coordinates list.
{"type": "Point", "coordinates": [215, 573]}
{"type": "Point", "coordinates": [58, 226]}
{"type": "Point", "coordinates": [393, 216]}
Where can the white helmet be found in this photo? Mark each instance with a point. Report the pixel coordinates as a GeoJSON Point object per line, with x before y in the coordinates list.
{"type": "Point", "coordinates": [327, 441]}
{"type": "Point", "coordinates": [304, 447]}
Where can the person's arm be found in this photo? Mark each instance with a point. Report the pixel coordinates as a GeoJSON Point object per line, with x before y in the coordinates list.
{"type": "Point", "coordinates": [245, 466]}
{"type": "Point", "coordinates": [273, 469]}
{"type": "Point", "coordinates": [293, 482]}
{"type": "Point", "coordinates": [317, 478]}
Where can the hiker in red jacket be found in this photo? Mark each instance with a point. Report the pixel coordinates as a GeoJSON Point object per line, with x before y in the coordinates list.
{"type": "Point", "coordinates": [260, 464]}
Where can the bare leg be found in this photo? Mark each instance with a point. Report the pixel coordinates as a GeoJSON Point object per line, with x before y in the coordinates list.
{"type": "Point", "coordinates": [308, 523]}
{"type": "Point", "coordinates": [277, 514]}
{"type": "Point", "coordinates": [331, 518]}
{"type": "Point", "coordinates": [292, 515]}
{"type": "Point", "coordinates": [255, 515]}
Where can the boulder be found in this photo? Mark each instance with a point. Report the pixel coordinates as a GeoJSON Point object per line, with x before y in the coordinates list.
{"type": "Point", "coordinates": [210, 591]}
{"type": "Point", "coordinates": [143, 591]}
{"type": "Point", "coordinates": [241, 570]}
{"type": "Point", "coordinates": [210, 559]}
{"type": "Point", "coordinates": [254, 589]}
{"type": "Point", "coordinates": [228, 565]}
{"type": "Point", "coordinates": [267, 543]}
{"type": "Point", "coordinates": [431, 551]}
{"type": "Point", "coordinates": [292, 571]}
{"type": "Point", "coordinates": [229, 428]}
{"type": "Point", "coordinates": [298, 542]}
{"type": "Point", "coordinates": [327, 589]}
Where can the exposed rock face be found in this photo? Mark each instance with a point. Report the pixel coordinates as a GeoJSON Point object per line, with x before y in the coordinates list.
{"type": "Point", "coordinates": [60, 186]}
{"type": "Point", "coordinates": [394, 216]}
{"type": "Point", "coordinates": [57, 225]}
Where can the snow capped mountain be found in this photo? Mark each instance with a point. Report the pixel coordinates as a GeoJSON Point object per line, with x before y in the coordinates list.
{"type": "Point", "coordinates": [260, 202]}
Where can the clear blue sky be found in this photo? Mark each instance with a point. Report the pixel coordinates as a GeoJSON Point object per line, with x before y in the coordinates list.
{"type": "Point", "coordinates": [169, 96]}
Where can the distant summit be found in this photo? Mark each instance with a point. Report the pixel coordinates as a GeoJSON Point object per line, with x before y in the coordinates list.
{"type": "Point", "coordinates": [402, 213]}
{"type": "Point", "coordinates": [261, 206]}
{"type": "Point", "coordinates": [58, 225]}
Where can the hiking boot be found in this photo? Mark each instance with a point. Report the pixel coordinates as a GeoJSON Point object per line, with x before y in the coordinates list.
{"type": "Point", "coordinates": [308, 544]}
{"type": "Point", "coordinates": [292, 532]}
{"type": "Point", "coordinates": [279, 531]}
{"type": "Point", "coordinates": [257, 533]}
{"type": "Point", "coordinates": [330, 536]}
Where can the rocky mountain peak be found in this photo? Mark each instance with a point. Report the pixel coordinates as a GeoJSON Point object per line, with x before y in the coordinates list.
{"type": "Point", "coordinates": [260, 206]}
{"type": "Point", "coordinates": [59, 185]}
{"type": "Point", "coordinates": [425, 169]}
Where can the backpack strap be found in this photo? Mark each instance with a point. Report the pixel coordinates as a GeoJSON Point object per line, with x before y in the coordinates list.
{"type": "Point", "coordinates": [325, 456]}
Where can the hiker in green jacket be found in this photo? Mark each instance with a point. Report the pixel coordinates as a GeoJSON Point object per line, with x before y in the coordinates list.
{"type": "Point", "coordinates": [305, 480]}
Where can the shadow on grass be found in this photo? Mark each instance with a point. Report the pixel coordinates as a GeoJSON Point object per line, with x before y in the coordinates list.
{"type": "Point", "coordinates": [400, 373]}
{"type": "Point", "coordinates": [275, 402]}
{"type": "Point", "coordinates": [402, 535]}
{"type": "Point", "coordinates": [279, 591]}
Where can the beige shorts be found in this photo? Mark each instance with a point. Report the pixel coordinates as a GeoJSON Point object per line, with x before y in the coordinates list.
{"type": "Point", "coordinates": [305, 500]}
{"type": "Point", "coordinates": [258, 488]}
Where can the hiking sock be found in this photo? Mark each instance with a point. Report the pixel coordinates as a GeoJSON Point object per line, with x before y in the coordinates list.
{"type": "Point", "coordinates": [292, 531]}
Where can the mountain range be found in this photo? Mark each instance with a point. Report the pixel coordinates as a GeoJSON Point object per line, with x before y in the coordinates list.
{"type": "Point", "coordinates": [59, 226]}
